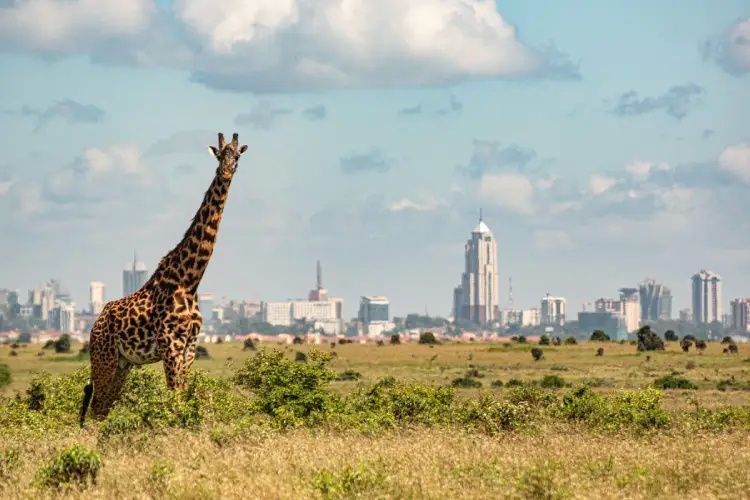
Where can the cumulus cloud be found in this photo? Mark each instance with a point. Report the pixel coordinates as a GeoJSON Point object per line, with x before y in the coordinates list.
{"type": "Point", "coordinates": [677, 102]}
{"type": "Point", "coordinates": [489, 156]}
{"type": "Point", "coordinates": [263, 116]}
{"type": "Point", "coordinates": [422, 202]}
{"type": "Point", "coordinates": [512, 191]}
{"type": "Point", "coordinates": [641, 170]}
{"type": "Point", "coordinates": [599, 184]}
{"type": "Point", "coordinates": [60, 28]}
{"type": "Point", "coordinates": [735, 160]}
{"type": "Point", "coordinates": [288, 45]}
{"type": "Point", "coordinates": [315, 113]}
{"type": "Point", "coordinates": [731, 50]}
{"type": "Point", "coordinates": [69, 110]}
{"type": "Point", "coordinates": [372, 161]}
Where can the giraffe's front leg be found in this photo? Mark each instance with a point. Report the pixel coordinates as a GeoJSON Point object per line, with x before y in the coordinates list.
{"type": "Point", "coordinates": [190, 349]}
{"type": "Point", "coordinates": [173, 346]}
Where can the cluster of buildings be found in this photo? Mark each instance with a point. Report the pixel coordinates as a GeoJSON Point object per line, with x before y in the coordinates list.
{"type": "Point", "coordinates": [475, 301]}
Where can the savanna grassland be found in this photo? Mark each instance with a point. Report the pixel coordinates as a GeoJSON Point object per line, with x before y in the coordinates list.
{"type": "Point", "coordinates": [470, 420]}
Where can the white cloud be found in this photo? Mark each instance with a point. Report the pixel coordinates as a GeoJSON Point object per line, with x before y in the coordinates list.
{"type": "Point", "coordinates": [66, 27]}
{"type": "Point", "coordinates": [731, 50]}
{"type": "Point", "coordinates": [508, 190]}
{"type": "Point", "coordinates": [735, 160]}
{"type": "Point", "coordinates": [424, 204]}
{"type": "Point", "coordinates": [600, 184]}
{"type": "Point", "coordinates": [552, 239]}
{"type": "Point", "coordinates": [641, 170]}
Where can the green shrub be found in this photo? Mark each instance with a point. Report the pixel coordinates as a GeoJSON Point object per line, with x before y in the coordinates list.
{"type": "Point", "coordinates": [427, 338]}
{"type": "Point", "coordinates": [599, 336]}
{"type": "Point", "coordinates": [293, 393]}
{"type": "Point", "coordinates": [570, 341]}
{"type": "Point", "coordinates": [466, 383]}
{"type": "Point", "coordinates": [5, 376]}
{"type": "Point", "coordinates": [248, 344]}
{"type": "Point", "coordinates": [537, 353]}
{"type": "Point", "coordinates": [395, 339]}
{"type": "Point", "coordinates": [349, 375]}
{"type": "Point", "coordinates": [74, 464]}
{"type": "Point", "coordinates": [672, 381]}
{"type": "Point", "coordinates": [552, 382]}
{"type": "Point", "coordinates": [62, 345]}
{"type": "Point", "coordinates": [671, 336]}
{"type": "Point", "coordinates": [544, 340]}
{"type": "Point", "coordinates": [492, 416]}
{"type": "Point", "coordinates": [497, 383]}
{"type": "Point", "coordinates": [10, 462]}
{"type": "Point", "coordinates": [300, 357]}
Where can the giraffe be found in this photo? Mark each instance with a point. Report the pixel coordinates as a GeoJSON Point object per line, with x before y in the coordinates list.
{"type": "Point", "coordinates": [161, 321]}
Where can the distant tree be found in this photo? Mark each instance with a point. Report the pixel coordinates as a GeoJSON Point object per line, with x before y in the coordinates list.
{"type": "Point", "coordinates": [685, 345]}
{"type": "Point", "coordinates": [689, 337]}
{"type": "Point", "coordinates": [648, 340]}
{"type": "Point", "coordinates": [395, 339]}
{"type": "Point", "coordinates": [700, 345]}
{"type": "Point", "coordinates": [201, 352]}
{"type": "Point", "coordinates": [544, 340]}
{"type": "Point", "coordinates": [599, 336]}
{"type": "Point", "coordinates": [248, 344]}
{"type": "Point", "coordinates": [733, 348]}
{"type": "Point", "coordinates": [600, 351]}
{"type": "Point", "coordinates": [522, 339]}
{"type": "Point", "coordinates": [427, 338]}
{"type": "Point", "coordinates": [570, 341]}
{"type": "Point", "coordinates": [670, 336]}
{"type": "Point", "coordinates": [297, 340]}
{"type": "Point", "coordinates": [727, 340]}
{"type": "Point", "coordinates": [300, 357]}
{"type": "Point", "coordinates": [556, 341]}
{"type": "Point", "coordinates": [537, 353]}
{"type": "Point", "coordinates": [62, 344]}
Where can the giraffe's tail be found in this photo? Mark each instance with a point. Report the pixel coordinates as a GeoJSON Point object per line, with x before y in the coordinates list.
{"type": "Point", "coordinates": [88, 391]}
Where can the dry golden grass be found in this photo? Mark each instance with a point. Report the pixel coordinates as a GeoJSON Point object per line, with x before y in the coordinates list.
{"type": "Point", "coordinates": [549, 462]}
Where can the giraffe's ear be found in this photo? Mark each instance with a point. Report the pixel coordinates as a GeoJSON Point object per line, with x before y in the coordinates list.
{"type": "Point", "coordinates": [214, 152]}
{"type": "Point", "coordinates": [243, 149]}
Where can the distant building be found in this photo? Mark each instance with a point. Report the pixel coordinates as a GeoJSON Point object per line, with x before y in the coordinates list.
{"type": "Point", "coordinates": [611, 323]}
{"type": "Point", "coordinates": [740, 315]}
{"type": "Point", "coordinates": [627, 307]}
{"type": "Point", "coordinates": [655, 300]}
{"type": "Point", "coordinates": [134, 276]}
{"type": "Point", "coordinates": [706, 295]}
{"type": "Point", "coordinates": [374, 315]}
{"type": "Point", "coordinates": [319, 293]}
{"type": "Point", "coordinates": [323, 314]}
{"type": "Point", "coordinates": [553, 310]}
{"type": "Point", "coordinates": [63, 318]}
{"type": "Point", "coordinates": [686, 315]}
{"type": "Point", "coordinates": [206, 306]}
{"type": "Point", "coordinates": [96, 297]}
{"type": "Point", "coordinates": [476, 299]}
{"type": "Point", "coordinates": [521, 317]}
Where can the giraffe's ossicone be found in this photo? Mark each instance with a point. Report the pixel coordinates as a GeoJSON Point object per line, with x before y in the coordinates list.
{"type": "Point", "coordinates": [161, 321]}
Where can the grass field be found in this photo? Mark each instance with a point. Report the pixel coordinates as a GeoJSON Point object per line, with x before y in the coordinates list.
{"type": "Point", "coordinates": [343, 439]}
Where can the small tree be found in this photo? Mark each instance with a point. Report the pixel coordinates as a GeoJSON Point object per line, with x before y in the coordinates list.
{"type": "Point", "coordinates": [544, 340]}
{"type": "Point", "coordinates": [300, 357]}
{"type": "Point", "coordinates": [700, 345]}
{"type": "Point", "coordinates": [201, 352]}
{"type": "Point", "coordinates": [427, 338]}
{"type": "Point", "coordinates": [727, 340]}
{"type": "Point", "coordinates": [670, 336]}
{"type": "Point", "coordinates": [556, 341]}
{"type": "Point", "coordinates": [685, 345]}
{"type": "Point", "coordinates": [600, 351]}
{"type": "Point", "coordinates": [248, 344]}
{"type": "Point", "coordinates": [733, 348]}
{"type": "Point", "coordinates": [571, 341]}
{"type": "Point", "coordinates": [395, 339]}
{"type": "Point", "coordinates": [537, 353]}
{"type": "Point", "coordinates": [648, 340]}
{"type": "Point", "coordinates": [62, 344]}
{"type": "Point", "coordinates": [297, 340]}
{"type": "Point", "coordinates": [599, 336]}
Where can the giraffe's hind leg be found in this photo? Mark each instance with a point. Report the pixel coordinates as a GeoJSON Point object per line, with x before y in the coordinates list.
{"type": "Point", "coordinates": [108, 374]}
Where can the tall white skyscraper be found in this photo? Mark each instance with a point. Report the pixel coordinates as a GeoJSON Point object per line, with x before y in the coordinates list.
{"type": "Point", "coordinates": [96, 296]}
{"type": "Point", "coordinates": [476, 299]}
{"type": "Point", "coordinates": [706, 297]}
{"type": "Point", "coordinates": [134, 276]}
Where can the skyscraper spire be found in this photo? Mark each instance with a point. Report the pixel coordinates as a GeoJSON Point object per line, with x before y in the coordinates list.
{"type": "Point", "coordinates": [480, 214]}
{"type": "Point", "coordinates": [320, 276]}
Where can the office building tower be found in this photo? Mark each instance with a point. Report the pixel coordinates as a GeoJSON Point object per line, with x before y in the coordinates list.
{"type": "Point", "coordinates": [96, 297]}
{"type": "Point", "coordinates": [740, 319]}
{"type": "Point", "coordinates": [706, 295]}
{"type": "Point", "coordinates": [553, 310]}
{"type": "Point", "coordinates": [134, 276]}
{"type": "Point", "coordinates": [655, 300]}
{"type": "Point", "coordinates": [476, 299]}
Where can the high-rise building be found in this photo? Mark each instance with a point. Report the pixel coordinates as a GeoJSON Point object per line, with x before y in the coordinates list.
{"type": "Point", "coordinates": [706, 291]}
{"type": "Point", "coordinates": [476, 299]}
{"type": "Point", "coordinates": [374, 315]}
{"type": "Point", "coordinates": [553, 310]}
{"type": "Point", "coordinates": [319, 293]}
{"type": "Point", "coordinates": [134, 276]}
{"type": "Point", "coordinates": [740, 315]}
{"type": "Point", "coordinates": [96, 297]}
{"type": "Point", "coordinates": [656, 301]}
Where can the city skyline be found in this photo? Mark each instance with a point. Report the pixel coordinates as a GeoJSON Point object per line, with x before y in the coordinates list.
{"type": "Point", "coordinates": [597, 150]}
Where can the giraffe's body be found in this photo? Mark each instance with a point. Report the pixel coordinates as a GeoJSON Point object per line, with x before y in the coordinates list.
{"type": "Point", "coordinates": [161, 321]}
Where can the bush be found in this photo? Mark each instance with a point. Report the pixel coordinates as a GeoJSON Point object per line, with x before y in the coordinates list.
{"type": "Point", "coordinates": [349, 375]}
{"type": "Point", "coordinates": [544, 340]}
{"type": "Point", "coordinates": [62, 345]}
{"type": "Point", "coordinates": [74, 464]}
{"type": "Point", "coordinates": [466, 382]}
{"type": "Point", "coordinates": [427, 338]}
{"type": "Point", "coordinates": [727, 340]}
{"type": "Point", "coordinates": [300, 357]}
{"type": "Point", "coordinates": [599, 336]}
{"type": "Point", "coordinates": [648, 340]}
{"type": "Point", "coordinates": [671, 336]}
{"type": "Point", "coordinates": [522, 339]}
{"type": "Point", "coordinates": [10, 462]}
{"type": "Point", "coordinates": [733, 349]}
{"type": "Point", "coordinates": [293, 393]}
{"type": "Point", "coordinates": [700, 345]}
{"type": "Point", "coordinates": [201, 352]}
{"type": "Point", "coordinates": [556, 341]}
{"type": "Point", "coordinates": [600, 351]}
{"type": "Point", "coordinates": [685, 345]}
{"type": "Point", "coordinates": [537, 353]}
{"type": "Point", "coordinates": [85, 349]}
{"type": "Point", "coordinates": [497, 383]}
{"type": "Point", "coordinates": [673, 381]}
{"type": "Point", "coordinates": [248, 344]}
{"type": "Point", "coordinates": [395, 339]}
{"type": "Point", "coordinates": [5, 377]}
{"type": "Point", "coordinates": [552, 382]}
{"type": "Point", "coordinates": [297, 340]}
{"type": "Point", "coordinates": [571, 341]}
{"type": "Point", "coordinates": [50, 344]}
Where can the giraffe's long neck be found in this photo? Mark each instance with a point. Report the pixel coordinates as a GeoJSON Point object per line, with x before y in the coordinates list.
{"type": "Point", "coordinates": [185, 265]}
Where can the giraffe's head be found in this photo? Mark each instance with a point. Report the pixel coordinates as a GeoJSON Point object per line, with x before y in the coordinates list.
{"type": "Point", "coordinates": [228, 155]}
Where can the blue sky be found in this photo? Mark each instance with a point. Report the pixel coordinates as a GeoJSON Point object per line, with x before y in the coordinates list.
{"type": "Point", "coordinates": [606, 142]}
